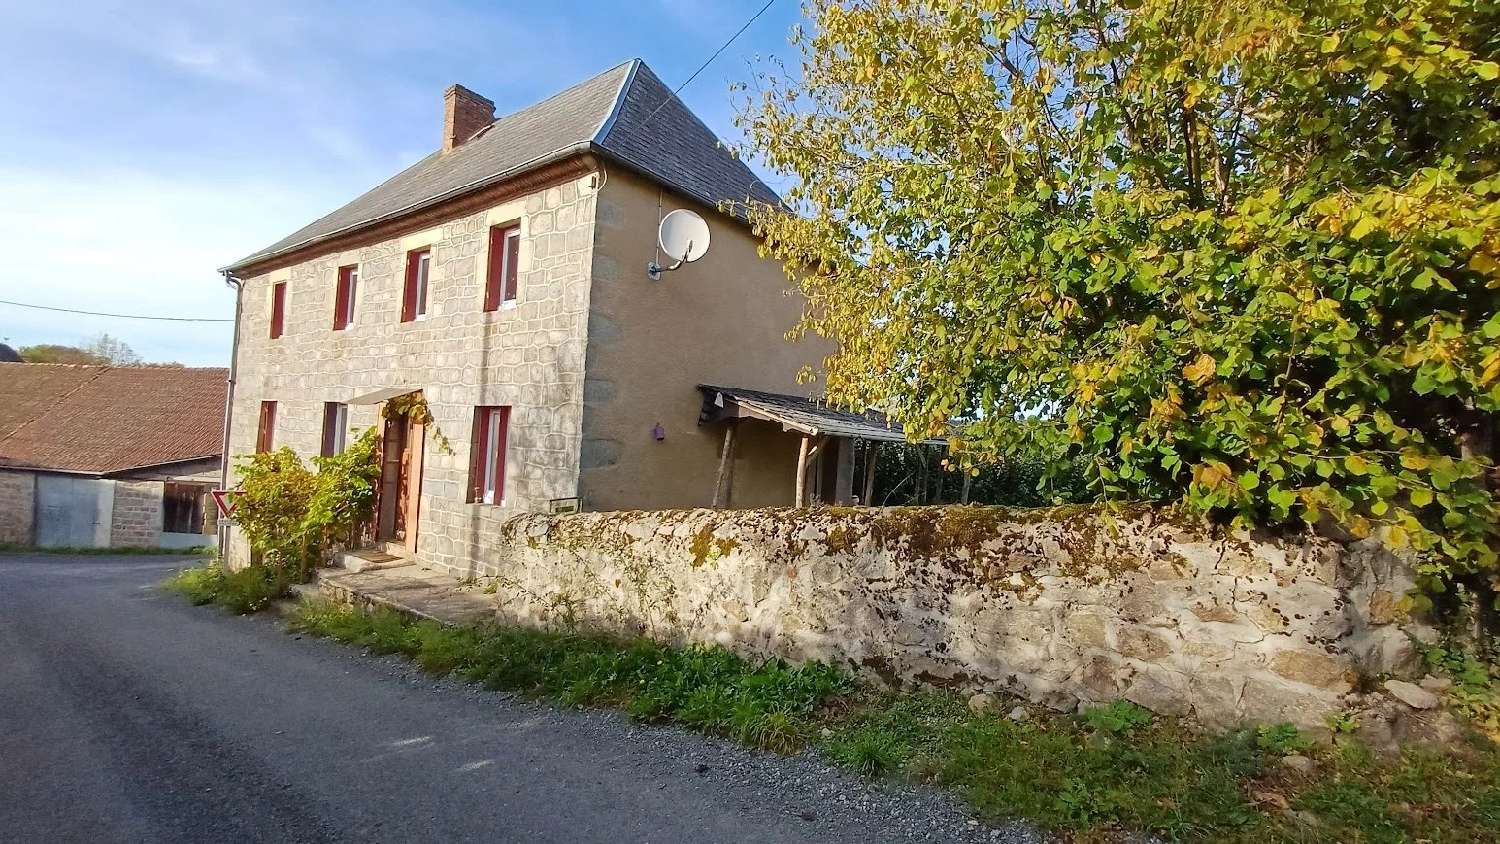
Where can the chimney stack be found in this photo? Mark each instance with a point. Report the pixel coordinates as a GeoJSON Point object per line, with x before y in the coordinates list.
{"type": "Point", "coordinates": [464, 113]}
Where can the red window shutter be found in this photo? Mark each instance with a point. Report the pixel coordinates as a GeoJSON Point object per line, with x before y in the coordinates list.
{"type": "Point", "coordinates": [476, 457]}
{"type": "Point", "coordinates": [409, 296]}
{"type": "Point", "coordinates": [266, 428]}
{"type": "Point", "coordinates": [341, 301]}
{"type": "Point", "coordinates": [330, 427]}
{"type": "Point", "coordinates": [512, 240]}
{"type": "Point", "coordinates": [494, 281]}
{"type": "Point", "coordinates": [278, 309]}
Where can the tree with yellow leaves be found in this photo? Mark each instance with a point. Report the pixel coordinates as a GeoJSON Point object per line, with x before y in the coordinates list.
{"type": "Point", "coordinates": [1241, 254]}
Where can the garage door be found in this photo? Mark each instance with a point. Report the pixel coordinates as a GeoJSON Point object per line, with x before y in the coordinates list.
{"type": "Point", "coordinates": [73, 512]}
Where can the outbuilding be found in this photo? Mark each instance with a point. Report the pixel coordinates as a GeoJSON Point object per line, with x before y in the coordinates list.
{"type": "Point", "coordinates": [109, 457]}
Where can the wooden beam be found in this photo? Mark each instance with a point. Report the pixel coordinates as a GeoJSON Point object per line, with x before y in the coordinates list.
{"type": "Point", "coordinates": [799, 499]}
{"type": "Point", "coordinates": [726, 467]}
{"type": "Point", "coordinates": [872, 459]}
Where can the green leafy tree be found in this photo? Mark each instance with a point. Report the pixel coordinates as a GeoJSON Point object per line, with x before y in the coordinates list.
{"type": "Point", "coordinates": [1239, 254]}
{"type": "Point", "coordinates": [103, 349]}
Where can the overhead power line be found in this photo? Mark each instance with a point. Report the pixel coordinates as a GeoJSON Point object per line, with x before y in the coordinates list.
{"type": "Point", "coordinates": [702, 67]}
{"type": "Point", "coordinates": [116, 316]}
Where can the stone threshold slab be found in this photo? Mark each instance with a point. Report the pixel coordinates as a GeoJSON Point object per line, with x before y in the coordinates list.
{"type": "Point", "coordinates": [413, 590]}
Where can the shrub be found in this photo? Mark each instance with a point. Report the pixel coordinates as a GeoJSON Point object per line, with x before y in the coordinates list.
{"type": "Point", "coordinates": [248, 590]}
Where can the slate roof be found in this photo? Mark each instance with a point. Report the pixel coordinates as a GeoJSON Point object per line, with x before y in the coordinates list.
{"type": "Point", "coordinates": [100, 420]}
{"type": "Point", "coordinates": [614, 114]}
{"type": "Point", "coordinates": [809, 416]}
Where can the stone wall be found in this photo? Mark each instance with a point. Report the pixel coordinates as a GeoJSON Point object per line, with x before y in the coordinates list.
{"type": "Point", "coordinates": [529, 356]}
{"type": "Point", "coordinates": [1062, 606]}
{"type": "Point", "coordinates": [17, 507]}
{"type": "Point", "coordinates": [136, 522]}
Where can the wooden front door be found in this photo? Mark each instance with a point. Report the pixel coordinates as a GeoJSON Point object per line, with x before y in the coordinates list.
{"type": "Point", "coordinates": [400, 480]}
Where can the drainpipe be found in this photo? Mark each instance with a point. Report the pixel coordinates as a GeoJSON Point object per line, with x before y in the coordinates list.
{"type": "Point", "coordinates": [234, 361]}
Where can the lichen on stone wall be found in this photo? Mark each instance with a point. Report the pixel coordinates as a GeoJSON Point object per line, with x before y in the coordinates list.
{"type": "Point", "coordinates": [1062, 605]}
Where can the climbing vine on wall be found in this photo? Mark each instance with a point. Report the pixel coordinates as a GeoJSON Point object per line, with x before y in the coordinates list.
{"type": "Point", "coordinates": [414, 407]}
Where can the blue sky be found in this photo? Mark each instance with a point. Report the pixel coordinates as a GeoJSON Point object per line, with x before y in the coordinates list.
{"type": "Point", "coordinates": [146, 143]}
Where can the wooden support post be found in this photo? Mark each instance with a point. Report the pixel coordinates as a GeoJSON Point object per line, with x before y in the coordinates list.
{"type": "Point", "coordinates": [800, 499]}
{"type": "Point", "coordinates": [872, 458]}
{"type": "Point", "coordinates": [726, 467]}
{"type": "Point", "coordinates": [963, 497]}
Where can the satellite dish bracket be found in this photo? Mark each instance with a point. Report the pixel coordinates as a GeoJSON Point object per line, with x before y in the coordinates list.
{"type": "Point", "coordinates": [654, 270]}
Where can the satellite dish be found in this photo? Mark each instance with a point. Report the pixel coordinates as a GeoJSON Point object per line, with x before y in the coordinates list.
{"type": "Point", "coordinates": [684, 236]}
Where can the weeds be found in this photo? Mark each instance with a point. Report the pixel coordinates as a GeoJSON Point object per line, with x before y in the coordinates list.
{"type": "Point", "coordinates": [1109, 773]}
{"type": "Point", "coordinates": [247, 590]}
{"type": "Point", "coordinates": [768, 704]}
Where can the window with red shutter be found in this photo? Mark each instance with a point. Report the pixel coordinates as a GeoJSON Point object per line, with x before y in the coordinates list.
{"type": "Point", "coordinates": [500, 280]}
{"type": "Point", "coordinates": [414, 298]}
{"type": "Point", "coordinates": [265, 433]}
{"type": "Point", "coordinates": [335, 427]}
{"type": "Point", "coordinates": [487, 463]}
{"type": "Point", "coordinates": [278, 309]}
{"type": "Point", "coordinates": [344, 297]}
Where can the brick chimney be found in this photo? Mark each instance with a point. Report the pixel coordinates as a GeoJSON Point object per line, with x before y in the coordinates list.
{"type": "Point", "coordinates": [464, 113]}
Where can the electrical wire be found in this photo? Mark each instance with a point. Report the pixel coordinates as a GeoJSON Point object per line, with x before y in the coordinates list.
{"type": "Point", "coordinates": [116, 316]}
{"type": "Point", "coordinates": [702, 67]}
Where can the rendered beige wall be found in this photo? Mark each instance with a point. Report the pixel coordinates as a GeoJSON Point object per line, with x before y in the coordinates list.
{"type": "Point", "coordinates": [529, 357]}
{"type": "Point", "coordinates": [719, 320]}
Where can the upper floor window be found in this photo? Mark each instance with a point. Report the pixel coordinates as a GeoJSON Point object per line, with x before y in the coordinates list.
{"type": "Point", "coordinates": [500, 283]}
{"type": "Point", "coordinates": [278, 309]}
{"type": "Point", "coordinates": [487, 461]}
{"type": "Point", "coordinates": [344, 297]}
{"type": "Point", "coordinates": [265, 431]}
{"type": "Point", "coordinates": [335, 427]}
{"type": "Point", "coordinates": [414, 300]}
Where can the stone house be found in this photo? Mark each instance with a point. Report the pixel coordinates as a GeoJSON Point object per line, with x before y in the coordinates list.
{"type": "Point", "coordinates": [109, 457]}
{"type": "Point", "coordinates": [502, 280]}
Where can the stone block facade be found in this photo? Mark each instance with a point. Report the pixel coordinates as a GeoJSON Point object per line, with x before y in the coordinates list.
{"type": "Point", "coordinates": [137, 515]}
{"type": "Point", "coordinates": [1064, 607]}
{"type": "Point", "coordinates": [17, 507]}
{"type": "Point", "coordinates": [529, 356]}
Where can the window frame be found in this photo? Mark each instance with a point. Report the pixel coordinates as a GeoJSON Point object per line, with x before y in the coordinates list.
{"type": "Point", "coordinates": [278, 310]}
{"type": "Point", "coordinates": [335, 428]}
{"type": "Point", "coordinates": [346, 297]}
{"type": "Point", "coordinates": [418, 284]}
{"type": "Point", "coordinates": [501, 283]}
{"type": "Point", "coordinates": [487, 465]}
{"type": "Point", "coordinates": [265, 428]}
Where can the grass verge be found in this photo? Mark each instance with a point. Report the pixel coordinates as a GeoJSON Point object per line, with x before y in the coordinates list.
{"type": "Point", "coordinates": [248, 590]}
{"type": "Point", "coordinates": [1101, 776]}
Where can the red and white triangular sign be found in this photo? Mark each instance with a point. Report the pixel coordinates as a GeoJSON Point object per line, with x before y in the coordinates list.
{"type": "Point", "coordinates": [223, 501]}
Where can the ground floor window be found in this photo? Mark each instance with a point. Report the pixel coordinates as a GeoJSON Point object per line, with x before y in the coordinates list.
{"type": "Point", "coordinates": [182, 508]}
{"type": "Point", "coordinates": [487, 464]}
{"type": "Point", "coordinates": [335, 427]}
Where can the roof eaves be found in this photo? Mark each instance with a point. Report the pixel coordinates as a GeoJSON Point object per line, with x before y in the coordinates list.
{"type": "Point", "coordinates": [512, 172]}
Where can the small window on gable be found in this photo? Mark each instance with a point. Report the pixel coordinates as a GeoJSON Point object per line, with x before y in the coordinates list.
{"type": "Point", "coordinates": [487, 461]}
{"type": "Point", "coordinates": [414, 299]}
{"type": "Point", "coordinates": [265, 431]}
{"type": "Point", "coordinates": [335, 427]}
{"type": "Point", "coordinates": [500, 282]}
{"type": "Point", "coordinates": [345, 295]}
{"type": "Point", "coordinates": [278, 309]}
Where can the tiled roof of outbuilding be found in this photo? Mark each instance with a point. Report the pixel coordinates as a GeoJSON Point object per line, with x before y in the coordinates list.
{"type": "Point", "coordinates": [614, 114]}
{"type": "Point", "coordinates": [100, 420]}
{"type": "Point", "coordinates": [809, 416]}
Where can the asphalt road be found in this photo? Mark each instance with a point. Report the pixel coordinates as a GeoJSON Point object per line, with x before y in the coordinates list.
{"type": "Point", "coordinates": [127, 715]}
